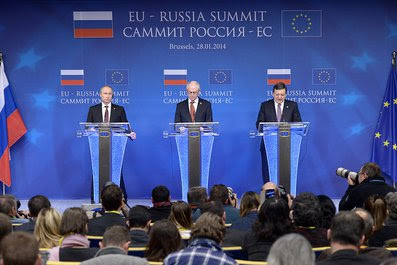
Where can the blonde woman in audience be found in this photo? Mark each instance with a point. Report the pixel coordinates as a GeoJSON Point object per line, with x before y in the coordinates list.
{"type": "Point", "coordinates": [181, 216]}
{"type": "Point", "coordinates": [47, 228]}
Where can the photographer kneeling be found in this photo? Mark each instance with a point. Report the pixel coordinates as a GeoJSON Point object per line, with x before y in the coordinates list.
{"type": "Point", "coordinates": [369, 181]}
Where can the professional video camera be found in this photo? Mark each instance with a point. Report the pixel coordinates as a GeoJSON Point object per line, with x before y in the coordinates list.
{"type": "Point", "coordinates": [345, 173]}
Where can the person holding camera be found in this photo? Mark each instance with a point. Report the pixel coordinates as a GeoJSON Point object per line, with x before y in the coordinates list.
{"type": "Point", "coordinates": [369, 181]}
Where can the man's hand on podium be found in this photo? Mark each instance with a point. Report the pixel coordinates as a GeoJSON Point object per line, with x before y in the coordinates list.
{"type": "Point", "coordinates": [132, 135]}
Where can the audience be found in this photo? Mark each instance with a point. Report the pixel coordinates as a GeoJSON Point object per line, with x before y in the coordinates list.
{"type": "Point", "coordinates": [47, 229]}
{"type": "Point", "coordinates": [207, 235]}
{"type": "Point", "coordinates": [164, 238]}
{"type": "Point", "coordinates": [307, 216]}
{"type": "Point", "coordinates": [114, 249]}
{"type": "Point", "coordinates": [196, 196]}
{"type": "Point", "coordinates": [20, 248]}
{"type": "Point", "coordinates": [161, 200]}
{"type": "Point", "coordinates": [328, 210]}
{"type": "Point", "coordinates": [35, 204]}
{"type": "Point", "coordinates": [376, 205]}
{"type": "Point", "coordinates": [291, 249]}
{"type": "Point", "coordinates": [248, 211]}
{"type": "Point", "coordinates": [5, 226]}
{"type": "Point", "coordinates": [346, 235]}
{"type": "Point", "coordinates": [8, 206]}
{"type": "Point", "coordinates": [74, 245]}
{"type": "Point", "coordinates": [389, 230]}
{"type": "Point", "coordinates": [181, 216]}
{"type": "Point", "coordinates": [139, 224]}
{"type": "Point", "coordinates": [112, 202]}
{"type": "Point", "coordinates": [273, 222]}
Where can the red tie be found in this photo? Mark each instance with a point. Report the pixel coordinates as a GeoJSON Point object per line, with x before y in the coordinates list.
{"type": "Point", "coordinates": [106, 115]}
{"type": "Point", "coordinates": [192, 111]}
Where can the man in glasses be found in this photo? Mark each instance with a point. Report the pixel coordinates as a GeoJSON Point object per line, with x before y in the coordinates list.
{"type": "Point", "coordinates": [369, 181]}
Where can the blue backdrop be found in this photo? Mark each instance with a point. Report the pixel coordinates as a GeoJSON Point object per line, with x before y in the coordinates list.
{"type": "Point", "coordinates": [338, 54]}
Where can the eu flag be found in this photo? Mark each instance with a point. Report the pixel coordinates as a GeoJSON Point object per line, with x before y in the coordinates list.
{"type": "Point", "coordinates": [220, 77]}
{"type": "Point", "coordinates": [301, 23]}
{"type": "Point", "coordinates": [384, 150]}
{"type": "Point", "coordinates": [324, 76]}
{"type": "Point", "coordinates": [117, 76]}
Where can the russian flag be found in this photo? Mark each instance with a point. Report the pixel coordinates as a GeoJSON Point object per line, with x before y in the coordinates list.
{"type": "Point", "coordinates": [72, 77]}
{"type": "Point", "coordinates": [275, 76]}
{"type": "Point", "coordinates": [11, 126]}
{"type": "Point", "coordinates": [93, 24]}
{"type": "Point", "coordinates": [174, 77]}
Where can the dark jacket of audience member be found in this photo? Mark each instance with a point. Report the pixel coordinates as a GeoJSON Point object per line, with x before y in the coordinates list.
{"type": "Point", "coordinates": [112, 201]}
{"type": "Point", "coordinates": [139, 224]}
{"type": "Point", "coordinates": [306, 215]}
{"type": "Point", "coordinates": [389, 230]}
{"type": "Point", "coordinates": [114, 249]}
{"type": "Point", "coordinates": [35, 204]}
{"type": "Point", "coordinates": [273, 222]}
{"type": "Point", "coordinates": [346, 236]}
{"type": "Point", "coordinates": [74, 244]}
{"type": "Point", "coordinates": [164, 238]}
{"type": "Point", "coordinates": [161, 203]}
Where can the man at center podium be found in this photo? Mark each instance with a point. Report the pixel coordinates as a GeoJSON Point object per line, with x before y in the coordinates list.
{"type": "Point", "coordinates": [278, 109]}
{"type": "Point", "coordinates": [107, 112]}
{"type": "Point", "coordinates": [194, 108]}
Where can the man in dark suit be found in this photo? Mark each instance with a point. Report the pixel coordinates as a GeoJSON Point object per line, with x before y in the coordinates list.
{"type": "Point", "coordinates": [278, 109]}
{"type": "Point", "coordinates": [193, 109]}
{"type": "Point", "coordinates": [107, 112]}
{"type": "Point", "coordinates": [112, 202]}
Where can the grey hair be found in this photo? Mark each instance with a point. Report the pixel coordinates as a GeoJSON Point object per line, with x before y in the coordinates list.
{"type": "Point", "coordinates": [100, 91]}
{"type": "Point", "coordinates": [291, 249]}
{"type": "Point", "coordinates": [193, 82]}
{"type": "Point", "coordinates": [391, 201]}
{"type": "Point", "coordinates": [368, 221]}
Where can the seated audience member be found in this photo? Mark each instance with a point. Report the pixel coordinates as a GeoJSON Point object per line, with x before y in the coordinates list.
{"type": "Point", "coordinates": [392, 261]}
{"type": "Point", "coordinates": [328, 210]}
{"type": "Point", "coordinates": [164, 238]}
{"type": "Point", "coordinates": [291, 249]}
{"type": "Point", "coordinates": [112, 202]}
{"type": "Point", "coordinates": [377, 207]}
{"type": "Point", "coordinates": [47, 229]}
{"type": "Point", "coordinates": [248, 211]}
{"type": "Point", "coordinates": [35, 204]}
{"type": "Point", "coordinates": [8, 206]}
{"type": "Point", "coordinates": [207, 235]}
{"type": "Point", "coordinates": [181, 216]}
{"type": "Point", "coordinates": [196, 196]}
{"type": "Point", "coordinates": [377, 252]}
{"type": "Point", "coordinates": [370, 182]}
{"type": "Point", "coordinates": [5, 226]}
{"type": "Point", "coordinates": [269, 188]}
{"type": "Point", "coordinates": [273, 222]}
{"type": "Point", "coordinates": [74, 245]}
{"type": "Point", "coordinates": [220, 193]}
{"type": "Point", "coordinates": [306, 215]}
{"type": "Point", "coordinates": [161, 200]}
{"type": "Point", "coordinates": [389, 230]}
{"type": "Point", "coordinates": [20, 248]}
{"type": "Point", "coordinates": [114, 249]}
{"type": "Point", "coordinates": [346, 236]}
{"type": "Point", "coordinates": [232, 237]}
{"type": "Point", "coordinates": [139, 224]}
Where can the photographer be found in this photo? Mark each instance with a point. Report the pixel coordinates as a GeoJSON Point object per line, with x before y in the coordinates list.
{"type": "Point", "coordinates": [369, 181]}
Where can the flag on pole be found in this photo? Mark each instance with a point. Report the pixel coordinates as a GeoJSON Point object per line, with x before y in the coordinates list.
{"type": "Point", "coordinates": [384, 150]}
{"type": "Point", "coordinates": [11, 126]}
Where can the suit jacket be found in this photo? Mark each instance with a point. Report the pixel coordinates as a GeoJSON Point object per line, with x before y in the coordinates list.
{"type": "Point", "coordinates": [117, 114]}
{"type": "Point", "coordinates": [203, 112]}
{"type": "Point", "coordinates": [97, 226]}
{"type": "Point", "coordinates": [267, 113]}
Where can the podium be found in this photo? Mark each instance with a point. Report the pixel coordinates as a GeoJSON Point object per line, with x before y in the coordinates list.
{"type": "Point", "coordinates": [194, 143]}
{"type": "Point", "coordinates": [107, 145]}
{"type": "Point", "coordinates": [282, 144]}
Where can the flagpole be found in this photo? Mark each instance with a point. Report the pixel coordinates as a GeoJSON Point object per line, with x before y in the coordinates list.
{"type": "Point", "coordinates": [393, 58]}
{"type": "Point", "coordinates": [1, 61]}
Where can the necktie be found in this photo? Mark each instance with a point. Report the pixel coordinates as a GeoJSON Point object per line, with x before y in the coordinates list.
{"type": "Point", "coordinates": [106, 115]}
{"type": "Point", "coordinates": [278, 112]}
{"type": "Point", "coordinates": [192, 111]}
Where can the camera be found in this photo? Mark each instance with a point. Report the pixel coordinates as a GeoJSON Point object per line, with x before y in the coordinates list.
{"type": "Point", "coordinates": [345, 173]}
